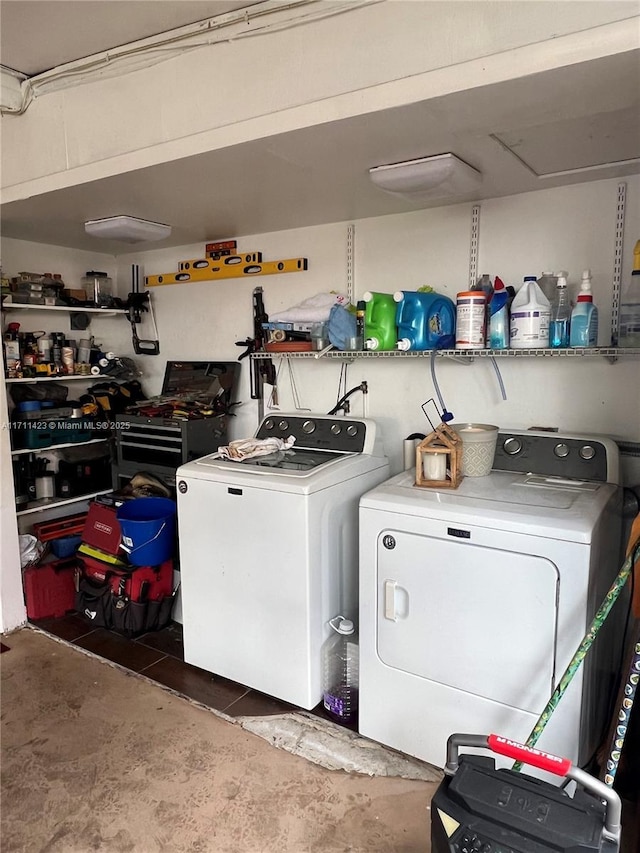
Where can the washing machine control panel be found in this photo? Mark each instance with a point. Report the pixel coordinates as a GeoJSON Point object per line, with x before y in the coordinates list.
{"type": "Point", "coordinates": [553, 455]}
{"type": "Point", "coordinates": [317, 432]}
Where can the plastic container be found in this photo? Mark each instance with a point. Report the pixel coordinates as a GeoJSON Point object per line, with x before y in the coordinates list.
{"type": "Point", "coordinates": [547, 284]}
{"type": "Point", "coordinates": [148, 527]}
{"type": "Point", "coordinates": [97, 287]}
{"type": "Point", "coordinates": [629, 326]}
{"type": "Point", "coordinates": [478, 448]}
{"type": "Point", "coordinates": [584, 317]}
{"type": "Point", "coordinates": [498, 317]}
{"type": "Point", "coordinates": [424, 320]}
{"type": "Point", "coordinates": [560, 321]}
{"type": "Point", "coordinates": [471, 308]}
{"type": "Point", "coordinates": [340, 671]}
{"type": "Point", "coordinates": [530, 313]}
{"type": "Point", "coordinates": [379, 321]}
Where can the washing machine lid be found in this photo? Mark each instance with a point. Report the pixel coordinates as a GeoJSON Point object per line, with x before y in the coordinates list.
{"type": "Point", "coordinates": [544, 506]}
{"type": "Point", "coordinates": [295, 462]}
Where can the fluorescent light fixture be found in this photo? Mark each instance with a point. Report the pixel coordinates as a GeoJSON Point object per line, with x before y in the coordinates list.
{"type": "Point", "coordinates": [428, 177]}
{"type": "Point", "coordinates": [127, 228]}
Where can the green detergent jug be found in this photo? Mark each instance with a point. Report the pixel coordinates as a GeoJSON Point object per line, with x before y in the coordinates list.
{"type": "Point", "coordinates": [379, 321]}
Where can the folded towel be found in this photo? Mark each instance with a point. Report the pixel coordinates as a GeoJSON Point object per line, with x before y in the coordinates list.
{"type": "Point", "coordinates": [313, 310]}
{"type": "Point", "coordinates": [247, 448]}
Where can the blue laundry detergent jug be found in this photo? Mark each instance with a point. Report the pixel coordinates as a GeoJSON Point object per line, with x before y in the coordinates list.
{"type": "Point", "coordinates": [424, 320]}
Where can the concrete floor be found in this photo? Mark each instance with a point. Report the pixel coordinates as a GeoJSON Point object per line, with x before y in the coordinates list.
{"type": "Point", "coordinates": [95, 758]}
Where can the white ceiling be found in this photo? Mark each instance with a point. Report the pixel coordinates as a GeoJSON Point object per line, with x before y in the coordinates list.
{"type": "Point", "coordinates": [513, 132]}
{"type": "Point", "coordinates": [37, 35]}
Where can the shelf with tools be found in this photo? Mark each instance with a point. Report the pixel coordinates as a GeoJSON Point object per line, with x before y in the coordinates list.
{"type": "Point", "coordinates": [51, 503]}
{"type": "Point", "coordinates": [70, 309]}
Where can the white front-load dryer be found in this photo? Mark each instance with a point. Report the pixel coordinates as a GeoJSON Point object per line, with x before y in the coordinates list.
{"type": "Point", "coordinates": [474, 600]}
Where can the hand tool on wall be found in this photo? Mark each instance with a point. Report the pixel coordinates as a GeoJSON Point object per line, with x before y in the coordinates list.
{"type": "Point", "coordinates": [137, 304]}
{"type": "Point", "coordinates": [262, 370]}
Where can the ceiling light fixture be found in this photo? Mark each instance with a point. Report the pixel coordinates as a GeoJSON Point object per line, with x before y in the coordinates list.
{"type": "Point", "coordinates": [127, 228]}
{"type": "Point", "coordinates": [427, 177]}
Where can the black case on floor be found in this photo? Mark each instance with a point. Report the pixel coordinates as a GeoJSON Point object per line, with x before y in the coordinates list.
{"type": "Point", "coordinates": [484, 810]}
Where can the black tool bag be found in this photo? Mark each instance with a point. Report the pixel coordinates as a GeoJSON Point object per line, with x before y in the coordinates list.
{"type": "Point", "coordinates": [132, 599]}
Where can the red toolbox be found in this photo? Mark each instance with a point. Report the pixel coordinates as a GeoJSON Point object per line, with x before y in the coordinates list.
{"type": "Point", "coordinates": [50, 588]}
{"type": "Point", "coordinates": [137, 583]}
{"type": "Point", "coordinates": [67, 526]}
{"type": "Point", "coordinates": [102, 530]}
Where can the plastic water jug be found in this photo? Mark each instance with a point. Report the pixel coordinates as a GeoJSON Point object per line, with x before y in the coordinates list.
{"type": "Point", "coordinates": [424, 320]}
{"type": "Point", "coordinates": [530, 315]}
{"type": "Point", "coordinates": [340, 671]}
{"type": "Point", "coordinates": [379, 321]}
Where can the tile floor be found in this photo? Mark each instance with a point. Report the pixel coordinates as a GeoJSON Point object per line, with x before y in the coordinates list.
{"type": "Point", "coordinates": [159, 655]}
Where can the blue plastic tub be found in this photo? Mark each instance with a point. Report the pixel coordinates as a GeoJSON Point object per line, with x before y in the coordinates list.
{"type": "Point", "coordinates": [148, 528]}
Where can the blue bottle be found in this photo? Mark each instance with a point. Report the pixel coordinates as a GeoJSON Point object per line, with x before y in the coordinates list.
{"type": "Point", "coordinates": [559, 323]}
{"type": "Point", "coordinates": [584, 317]}
{"type": "Point", "coordinates": [498, 311]}
{"type": "Point", "coordinates": [424, 320]}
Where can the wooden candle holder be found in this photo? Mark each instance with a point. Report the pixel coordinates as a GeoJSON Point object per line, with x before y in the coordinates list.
{"type": "Point", "coordinates": [440, 456]}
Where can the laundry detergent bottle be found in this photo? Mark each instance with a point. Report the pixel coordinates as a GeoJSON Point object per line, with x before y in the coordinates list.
{"type": "Point", "coordinates": [584, 317]}
{"type": "Point", "coordinates": [424, 320]}
{"type": "Point", "coordinates": [379, 321]}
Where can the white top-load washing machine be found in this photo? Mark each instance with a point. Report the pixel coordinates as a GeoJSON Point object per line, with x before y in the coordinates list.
{"type": "Point", "coordinates": [473, 600]}
{"type": "Point", "coordinates": [269, 551]}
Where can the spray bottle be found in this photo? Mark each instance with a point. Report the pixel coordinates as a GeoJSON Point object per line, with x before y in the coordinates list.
{"type": "Point", "coordinates": [559, 324]}
{"type": "Point", "coordinates": [584, 317]}
{"type": "Point", "coordinates": [629, 329]}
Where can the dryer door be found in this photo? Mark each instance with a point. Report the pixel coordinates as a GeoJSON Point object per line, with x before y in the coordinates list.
{"type": "Point", "coordinates": [478, 619]}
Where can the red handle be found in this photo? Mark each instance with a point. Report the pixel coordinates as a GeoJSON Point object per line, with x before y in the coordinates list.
{"type": "Point", "coordinates": [529, 755]}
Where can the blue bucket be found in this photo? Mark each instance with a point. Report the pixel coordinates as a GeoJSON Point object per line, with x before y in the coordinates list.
{"type": "Point", "coordinates": [148, 527]}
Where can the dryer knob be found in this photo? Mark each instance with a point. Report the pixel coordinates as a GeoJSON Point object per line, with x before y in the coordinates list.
{"type": "Point", "coordinates": [336, 429]}
{"type": "Point", "coordinates": [308, 427]}
{"type": "Point", "coordinates": [283, 425]}
{"type": "Point", "coordinates": [512, 446]}
{"type": "Point", "coordinates": [269, 424]}
{"type": "Point", "coordinates": [561, 450]}
{"type": "Point", "coordinates": [352, 430]}
{"type": "Point", "coordinates": [587, 452]}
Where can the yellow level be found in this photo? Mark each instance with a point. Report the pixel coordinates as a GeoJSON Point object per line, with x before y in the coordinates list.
{"type": "Point", "coordinates": [219, 271]}
{"type": "Point", "coordinates": [225, 260]}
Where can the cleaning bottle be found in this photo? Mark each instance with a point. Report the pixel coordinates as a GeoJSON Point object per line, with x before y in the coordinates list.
{"type": "Point", "coordinates": [629, 328]}
{"type": "Point", "coordinates": [560, 315]}
{"type": "Point", "coordinates": [530, 312]}
{"type": "Point", "coordinates": [584, 317]}
{"type": "Point", "coordinates": [498, 309]}
{"type": "Point", "coordinates": [424, 320]}
{"type": "Point", "coordinates": [340, 671]}
{"type": "Point", "coordinates": [547, 283]}
{"type": "Point", "coordinates": [379, 321]}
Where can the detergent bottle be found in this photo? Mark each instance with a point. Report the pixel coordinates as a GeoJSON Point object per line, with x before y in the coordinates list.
{"type": "Point", "coordinates": [584, 317]}
{"type": "Point", "coordinates": [379, 321]}
{"type": "Point", "coordinates": [424, 320]}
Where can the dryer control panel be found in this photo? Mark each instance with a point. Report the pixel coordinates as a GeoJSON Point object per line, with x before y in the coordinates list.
{"type": "Point", "coordinates": [573, 457]}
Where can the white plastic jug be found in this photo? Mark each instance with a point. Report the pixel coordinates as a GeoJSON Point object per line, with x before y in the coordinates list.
{"type": "Point", "coordinates": [530, 314]}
